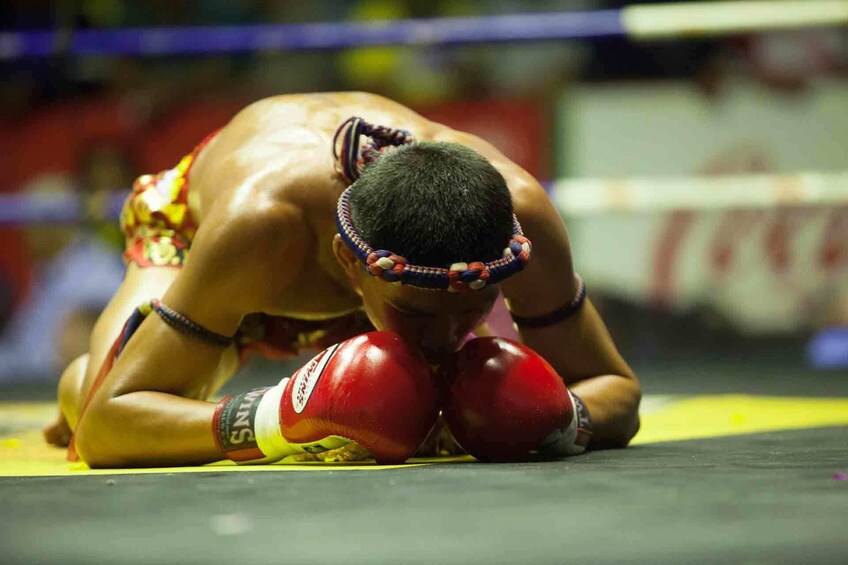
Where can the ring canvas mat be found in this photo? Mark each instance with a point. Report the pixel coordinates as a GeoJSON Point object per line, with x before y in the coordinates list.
{"type": "Point", "coordinates": [23, 451]}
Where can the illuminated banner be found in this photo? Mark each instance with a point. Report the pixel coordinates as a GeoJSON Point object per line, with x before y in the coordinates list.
{"type": "Point", "coordinates": [764, 267]}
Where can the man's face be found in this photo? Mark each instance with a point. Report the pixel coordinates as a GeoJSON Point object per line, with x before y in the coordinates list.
{"type": "Point", "coordinates": [434, 321]}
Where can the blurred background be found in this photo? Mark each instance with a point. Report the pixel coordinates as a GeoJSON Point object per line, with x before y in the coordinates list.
{"type": "Point", "coordinates": [702, 177]}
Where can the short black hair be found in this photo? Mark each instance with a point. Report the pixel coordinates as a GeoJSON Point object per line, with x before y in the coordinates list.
{"type": "Point", "coordinates": [435, 204]}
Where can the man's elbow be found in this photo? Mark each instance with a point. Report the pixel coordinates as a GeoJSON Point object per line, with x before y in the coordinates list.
{"type": "Point", "coordinates": [632, 422]}
{"type": "Point", "coordinates": [618, 438]}
{"type": "Point", "coordinates": [629, 432]}
{"type": "Point", "coordinates": [623, 428]}
{"type": "Point", "coordinates": [95, 438]}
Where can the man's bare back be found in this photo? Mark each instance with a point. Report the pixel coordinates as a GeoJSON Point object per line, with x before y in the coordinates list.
{"type": "Point", "coordinates": [275, 151]}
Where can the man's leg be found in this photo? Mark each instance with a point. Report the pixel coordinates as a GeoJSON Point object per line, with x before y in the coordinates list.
{"type": "Point", "coordinates": [58, 432]}
{"type": "Point", "coordinates": [139, 284]}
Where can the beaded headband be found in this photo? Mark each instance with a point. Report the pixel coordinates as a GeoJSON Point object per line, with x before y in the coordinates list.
{"type": "Point", "coordinates": [460, 277]}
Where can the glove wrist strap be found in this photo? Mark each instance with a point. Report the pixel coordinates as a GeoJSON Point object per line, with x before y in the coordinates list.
{"type": "Point", "coordinates": [584, 422]}
{"type": "Point", "coordinates": [248, 430]}
{"type": "Point", "coordinates": [574, 438]}
{"type": "Point", "coordinates": [239, 423]}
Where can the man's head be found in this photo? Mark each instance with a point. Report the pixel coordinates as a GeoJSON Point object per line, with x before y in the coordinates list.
{"type": "Point", "coordinates": [434, 204]}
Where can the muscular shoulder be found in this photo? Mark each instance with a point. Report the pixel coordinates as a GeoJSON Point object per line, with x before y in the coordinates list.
{"type": "Point", "coordinates": [326, 110]}
{"type": "Point", "coordinates": [252, 252]}
{"type": "Point", "coordinates": [254, 230]}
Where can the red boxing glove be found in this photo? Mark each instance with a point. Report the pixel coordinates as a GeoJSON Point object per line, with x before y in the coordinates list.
{"type": "Point", "coordinates": [372, 389]}
{"type": "Point", "coordinates": [505, 400]}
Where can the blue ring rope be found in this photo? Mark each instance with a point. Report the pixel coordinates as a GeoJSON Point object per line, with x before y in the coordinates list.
{"type": "Point", "coordinates": [299, 37]}
{"type": "Point", "coordinates": [68, 208]}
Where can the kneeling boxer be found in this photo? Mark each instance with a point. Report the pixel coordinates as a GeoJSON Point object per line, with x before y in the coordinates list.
{"type": "Point", "coordinates": [288, 215]}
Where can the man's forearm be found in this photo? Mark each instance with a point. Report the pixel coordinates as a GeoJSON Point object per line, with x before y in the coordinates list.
{"type": "Point", "coordinates": [148, 429]}
{"type": "Point", "coordinates": [613, 402]}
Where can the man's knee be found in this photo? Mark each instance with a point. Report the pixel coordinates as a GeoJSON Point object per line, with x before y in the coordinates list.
{"type": "Point", "coordinates": [70, 388]}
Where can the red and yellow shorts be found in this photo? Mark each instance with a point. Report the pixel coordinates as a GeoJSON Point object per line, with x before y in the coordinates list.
{"type": "Point", "coordinates": [156, 218]}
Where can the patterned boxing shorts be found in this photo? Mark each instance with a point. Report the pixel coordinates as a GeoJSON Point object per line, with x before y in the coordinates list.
{"type": "Point", "coordinates": [156, 219]}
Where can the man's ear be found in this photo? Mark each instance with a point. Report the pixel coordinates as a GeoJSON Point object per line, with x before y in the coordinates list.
{"type": "Point", "coordinates": [348, 261]}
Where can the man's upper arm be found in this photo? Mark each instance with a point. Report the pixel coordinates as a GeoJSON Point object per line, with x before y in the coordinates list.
{"type": "Point", "coordinates": [239, 264]}
{"type": "Point", "coordinates": [236, 265]}
{"type": "Point", "coordinates": [579, 347]}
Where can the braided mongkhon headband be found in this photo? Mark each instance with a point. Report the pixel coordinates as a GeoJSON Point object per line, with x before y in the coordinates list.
{"type": "Point", "coordinates": [391, 267]}
{"type": "Point", "coordinates": [351, 158]}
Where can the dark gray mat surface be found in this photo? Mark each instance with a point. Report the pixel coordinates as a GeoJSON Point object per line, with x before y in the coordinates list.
{"type": "Point", "coordinates": [766, 498]}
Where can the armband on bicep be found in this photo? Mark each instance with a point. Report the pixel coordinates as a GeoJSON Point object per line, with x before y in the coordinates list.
{"type": "Point", "coordinates": [186, 326]}
{"type": "Point", "coordinates": [558, 315]}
